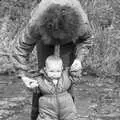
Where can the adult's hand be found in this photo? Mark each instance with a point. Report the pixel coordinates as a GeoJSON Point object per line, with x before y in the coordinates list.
{"type": "Point", "coordinates": [21, 73]}
{"type": "Point", "coordinates": [29, 82]}
{"type": "Point", "coordinates": [30, 73]}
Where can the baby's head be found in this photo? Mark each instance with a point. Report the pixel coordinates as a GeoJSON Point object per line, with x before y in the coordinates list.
{"type": "Point", "coordinates": [54, 66]}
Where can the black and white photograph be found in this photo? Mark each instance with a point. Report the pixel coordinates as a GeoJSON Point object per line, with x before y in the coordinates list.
{"type": "Point", "coordinates": [59, 59]}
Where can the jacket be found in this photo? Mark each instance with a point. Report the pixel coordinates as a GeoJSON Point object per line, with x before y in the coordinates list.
{"type": "Point", "coordinates": [29, 37]}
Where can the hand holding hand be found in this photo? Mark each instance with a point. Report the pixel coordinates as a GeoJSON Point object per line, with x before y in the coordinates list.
{"type": "Point", "coordinates": [29, 82]}
{"type": "Point", "coordinates": [76, 66]}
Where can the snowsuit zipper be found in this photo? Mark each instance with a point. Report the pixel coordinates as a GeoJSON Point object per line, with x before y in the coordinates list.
{"type": "Point", "coordinates": [57, 100]}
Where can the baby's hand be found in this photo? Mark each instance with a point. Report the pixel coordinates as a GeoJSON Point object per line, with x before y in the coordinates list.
{"type": "Point", "coordinates": [76, 66]}
{"type": "Point", "coordinates": [29, 82]}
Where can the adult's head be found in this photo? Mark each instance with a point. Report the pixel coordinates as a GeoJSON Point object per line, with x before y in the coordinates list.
{"type": "Point", "coordinates": [59, 21]}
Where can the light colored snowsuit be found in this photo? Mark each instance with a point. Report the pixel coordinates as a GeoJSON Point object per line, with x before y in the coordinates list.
{"type": "Point", "coordinates": [56, 102]}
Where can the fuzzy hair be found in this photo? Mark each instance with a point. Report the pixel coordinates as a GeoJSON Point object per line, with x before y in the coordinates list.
{"type": "Point", "coordinates": [60, 24]}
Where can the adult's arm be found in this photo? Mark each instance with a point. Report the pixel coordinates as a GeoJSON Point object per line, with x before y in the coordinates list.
{"type": "Point", "coordinates": [83, 48]}
{"type": "Point", "coordinates": [84, 42]}
{"type": "Point", "coordinates": [85, 34]}
{"type": "Point", "coordinates": [25, 42]}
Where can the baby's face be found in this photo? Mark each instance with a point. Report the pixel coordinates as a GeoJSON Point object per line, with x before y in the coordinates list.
{"type": "Point", "coordinates": [54, 69]}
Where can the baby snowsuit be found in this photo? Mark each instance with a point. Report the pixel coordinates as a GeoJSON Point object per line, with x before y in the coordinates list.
{"type": "Point", "coordinates": [56, 102]}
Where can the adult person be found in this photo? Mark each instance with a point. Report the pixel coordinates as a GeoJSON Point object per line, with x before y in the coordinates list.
{"type": "Point", "coordinates": [52, 22]}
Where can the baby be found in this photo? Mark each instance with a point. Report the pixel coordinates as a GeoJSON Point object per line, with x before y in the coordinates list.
{"type": "Point", "coordinates": [54, 83]}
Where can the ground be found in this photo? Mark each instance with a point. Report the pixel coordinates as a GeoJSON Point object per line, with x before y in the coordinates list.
{"type": "Point", "coordinates": [15, 100]}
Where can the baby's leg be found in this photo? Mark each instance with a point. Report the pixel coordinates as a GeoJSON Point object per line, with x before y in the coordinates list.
{"type": "Point", "coordinates": [68, 109]}
{"type": "Point", "coordinates": [47, 108]}
{"type": "Point", "coordinates": [44, 116]}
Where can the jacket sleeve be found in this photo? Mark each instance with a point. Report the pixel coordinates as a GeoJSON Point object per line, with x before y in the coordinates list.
{"type": "Point", "coordinates": [85, 40]}
{"type": "Point", "coordinates": [25, 42]}
{"type": "Point", "coordinates": [83, 48]}
{"type": "Point", "coordinates": [23, 47]}
{"type": "Point", "coordinates": [85, 29]}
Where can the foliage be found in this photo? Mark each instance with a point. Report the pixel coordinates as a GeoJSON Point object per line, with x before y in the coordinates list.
{"type": "Point", "coordinates": [104, 54]}
{"type": "Point", "coordinates": [14, 14]}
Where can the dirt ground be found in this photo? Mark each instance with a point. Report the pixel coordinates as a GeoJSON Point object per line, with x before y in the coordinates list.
{"type": "Point", "coordinates": [15, 100]}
